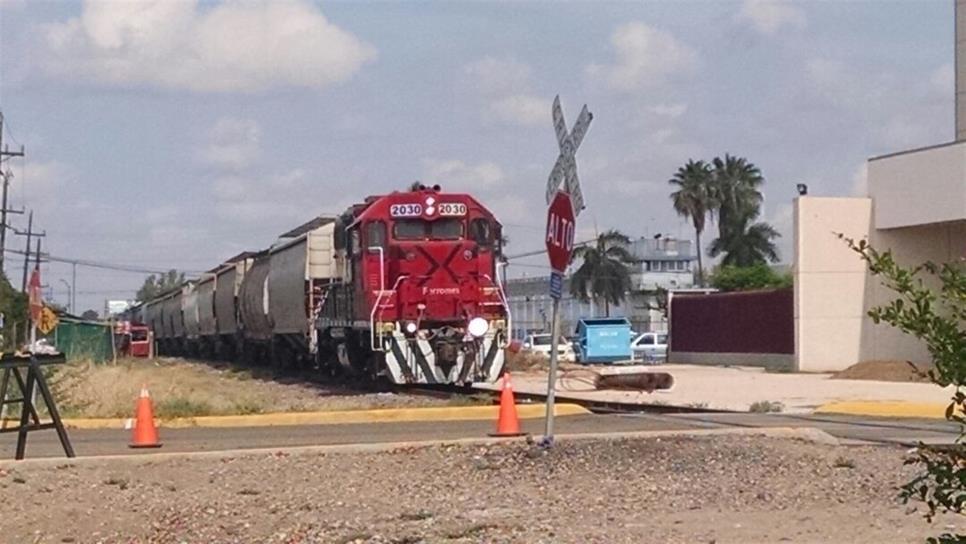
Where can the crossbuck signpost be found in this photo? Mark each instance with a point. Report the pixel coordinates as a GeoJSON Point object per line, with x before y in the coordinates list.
{"type": "Point", "coordinates": [564, 205]}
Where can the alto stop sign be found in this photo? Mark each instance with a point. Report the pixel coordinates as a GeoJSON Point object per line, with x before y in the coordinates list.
{"type": "Point", "coordinates": [560, 231]}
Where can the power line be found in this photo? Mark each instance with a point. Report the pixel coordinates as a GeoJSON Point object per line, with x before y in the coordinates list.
{"type": "Point", "coordinates": [542, 251]}
{"type": "Point", "coordinates": [103, 265]}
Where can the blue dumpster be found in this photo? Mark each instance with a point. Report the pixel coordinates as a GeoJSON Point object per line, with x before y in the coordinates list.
{"type": "Point", "coordinates": [603, 340]}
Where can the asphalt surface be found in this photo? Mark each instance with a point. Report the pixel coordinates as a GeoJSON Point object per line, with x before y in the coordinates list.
{"type": "Point", "coordinates": [849, 429]}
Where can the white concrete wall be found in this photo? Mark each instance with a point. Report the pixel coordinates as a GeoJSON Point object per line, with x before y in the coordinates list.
{"type": "Point", "coordinates": [830, 280]}
{"type": "Point", "coordinates": [919, 187]}
{"type": "Point", "coordinates": [834, 291]}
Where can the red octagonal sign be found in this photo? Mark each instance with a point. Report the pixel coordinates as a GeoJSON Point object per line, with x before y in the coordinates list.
{"type": "Point", "coordinates": [560, 231]}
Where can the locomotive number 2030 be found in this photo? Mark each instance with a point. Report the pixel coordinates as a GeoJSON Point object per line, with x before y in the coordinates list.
{"type": "Point", "coordinates": [406, 210]}
{"type": "Point", "coordinates": [452, 209]}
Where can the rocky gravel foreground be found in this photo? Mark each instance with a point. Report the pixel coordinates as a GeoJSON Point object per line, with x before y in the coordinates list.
{"type": "Point", "coordinates": [710, 489]}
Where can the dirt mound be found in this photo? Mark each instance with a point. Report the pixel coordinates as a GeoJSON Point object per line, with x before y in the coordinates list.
{"type": "Point", "coordinates": [886, 371]}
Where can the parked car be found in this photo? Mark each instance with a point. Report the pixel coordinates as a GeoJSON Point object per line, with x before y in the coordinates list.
{"type": "Point", "coordinates": [650, 346]}
{"type": "Point", "coordinates": [540, 344]}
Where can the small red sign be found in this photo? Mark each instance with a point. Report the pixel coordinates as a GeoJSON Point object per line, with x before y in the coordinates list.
{"type": "Point", "coordinates": [560, 231]}
{"type": "Point", "coordinates": [33, 294]}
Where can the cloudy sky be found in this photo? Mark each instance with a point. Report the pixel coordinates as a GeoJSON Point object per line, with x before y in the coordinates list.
{"type": "Point", "coordinates": [175, 134]}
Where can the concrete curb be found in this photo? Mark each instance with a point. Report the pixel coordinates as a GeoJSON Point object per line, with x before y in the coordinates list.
{"type": "Point", "coordinates": [807, 434]}
{"type": "Point", "coordinates": [924, 410]}
{"type": "Point", "coordinates": [441, 413]}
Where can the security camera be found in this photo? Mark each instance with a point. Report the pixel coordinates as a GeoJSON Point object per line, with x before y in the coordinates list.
{"type": "Point", "coordinates": [802, 189]}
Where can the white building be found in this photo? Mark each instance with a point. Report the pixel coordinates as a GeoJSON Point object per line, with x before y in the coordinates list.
{"type": "Point", "coordinates": [661, 264]}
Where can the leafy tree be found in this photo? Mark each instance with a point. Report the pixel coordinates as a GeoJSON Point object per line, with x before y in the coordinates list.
{"type": "Point", "coordinates": [736, 196]}
{"type": "Point", "coordinates": [746, 245]}
{"type": "Point", "coordinates": [743, 278]}
{"type": "Point", "coordinates": [736, 189]}
{"type": "Point", "coordinates": [90, 315]}
{"type": "Point", "coordinates": [605, 273]}
{"type": "Point", "coordinates": [156, 285]}
{"type": "Point", "coordinates": [694, 199]}
{"type": "Point", "coordinates": [936, 317]}
{"type": "Point", "coordinates": [13, 306]}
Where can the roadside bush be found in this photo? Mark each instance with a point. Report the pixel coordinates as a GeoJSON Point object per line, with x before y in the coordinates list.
{"type": "Point", "coordinates": [936, 316]}
{"type": "Point", "coordinates": [744, 278]}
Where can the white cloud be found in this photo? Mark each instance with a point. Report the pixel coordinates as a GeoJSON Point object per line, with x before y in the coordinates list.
{"type": "Point", "coordinates": [860, 180]}
{"type": "Point", "coordinates": [669, 110]}
{"type": "Point", "coordinates": [454, 174]}
{"type": "Point", "coordinates": [522, 109]}
{"type": "Point", "coordinates": [505, 85]}
{"type": "Point", "coordinates": [499, 76]}
{"type": "Point", "coordinates": [233, 143]}
{"type": "Point", "coordinates": [768, 16]}
{"type": "Point", "coordinates": [645, 56]}
{"type": "Point", "coordinates": [233, 46]}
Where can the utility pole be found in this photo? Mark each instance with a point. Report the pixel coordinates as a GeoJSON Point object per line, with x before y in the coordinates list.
{"type": "Point", "coordinates": [3, 215]}
{"type": "Point", "coordinates": [5, 152]}
{"type": "Point", "coordinates": [30, 234]}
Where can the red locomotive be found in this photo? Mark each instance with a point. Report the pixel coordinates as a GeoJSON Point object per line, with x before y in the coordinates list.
{"type": "Point", "coordinates": [404, 286]}
{"type": "Point", "coordinates": [420, 299]}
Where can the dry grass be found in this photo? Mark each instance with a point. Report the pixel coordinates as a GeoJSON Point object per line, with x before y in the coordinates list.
{"type": "Point", "coordinates": [180, 388]}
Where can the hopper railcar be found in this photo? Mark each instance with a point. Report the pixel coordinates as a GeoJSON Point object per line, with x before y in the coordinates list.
{"type": "Point", "coordinates": [403, 285]}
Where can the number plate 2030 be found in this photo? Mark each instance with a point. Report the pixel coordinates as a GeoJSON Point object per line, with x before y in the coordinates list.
{"type": "Point", "coordinates": [406, 210]}
{"type": "Point", "coordinates": [452, 209]}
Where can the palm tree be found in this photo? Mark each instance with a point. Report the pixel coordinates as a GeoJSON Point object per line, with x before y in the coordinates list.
{"type": "Point", "coordinates": [605, 273]}
{"type": "Point", "coordinates": [693, 199]}
{"type": "Point", "coordinates": [746, 244]}
{"type": "Point", "coordinates": [736, 184]}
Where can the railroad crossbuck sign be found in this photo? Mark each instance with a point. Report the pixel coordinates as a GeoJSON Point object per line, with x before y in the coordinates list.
{"type": "Point", "coordinates": [560, 231]}
{"type": "Point", "coordinates": [565, 169]}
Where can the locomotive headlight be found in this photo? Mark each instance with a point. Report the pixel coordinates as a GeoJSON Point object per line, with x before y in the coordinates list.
{"type": "Point", "coordinates": [478, 326]}
{"type": "Point", "coordinates": [411, 327]}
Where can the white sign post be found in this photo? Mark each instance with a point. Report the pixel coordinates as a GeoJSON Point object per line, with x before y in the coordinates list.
{"type": "Point", "coordinates": [562, 212]}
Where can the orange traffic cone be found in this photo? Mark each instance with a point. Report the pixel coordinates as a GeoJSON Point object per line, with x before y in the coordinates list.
{"type": "Point", "coordinates": [507, 424]}
{"type": "Point", "coordinates": [145, 434]}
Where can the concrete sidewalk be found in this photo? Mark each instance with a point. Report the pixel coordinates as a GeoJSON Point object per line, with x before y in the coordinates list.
{"type": "Point", "coordinates": [737, 388]}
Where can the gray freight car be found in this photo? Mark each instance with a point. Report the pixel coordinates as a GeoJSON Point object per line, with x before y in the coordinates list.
{"type": "Point", "coordinates": [300, 263]}
{"type": "Point", "coordinates": [228, 282]}
{"type": "Point", "coordinates": [256, 323]}
{"type": "Point", "coordinates": [189, 309]}
{"type": "Point", "coordinates": [207, 323]}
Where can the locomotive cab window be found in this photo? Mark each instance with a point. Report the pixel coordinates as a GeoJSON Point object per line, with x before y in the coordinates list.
{"type": "Point", "coordinates": [417, 229]}
{"type": "Point", "coordinates": [480, 231]}
{"type": "Point", "coordinates": [376, 234]}
{"type": "Point", "coordinates": [410, 229]}
{"type": "Point", "coordinates": [446, 229]}
{"type": "Point", "coordinates": [354, 242]}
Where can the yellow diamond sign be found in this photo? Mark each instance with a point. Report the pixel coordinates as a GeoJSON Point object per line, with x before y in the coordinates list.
{"type": "Point", "coordinates": [47, 321]}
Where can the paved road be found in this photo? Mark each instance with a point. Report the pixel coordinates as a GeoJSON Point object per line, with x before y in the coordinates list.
{"type": "Point", "coordinates": [849, 429]}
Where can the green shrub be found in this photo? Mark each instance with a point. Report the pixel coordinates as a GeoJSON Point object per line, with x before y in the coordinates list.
{"type": "Point", "coordinates": [744, 278]}
{"type": "Point", "coordinates": [935, 316]}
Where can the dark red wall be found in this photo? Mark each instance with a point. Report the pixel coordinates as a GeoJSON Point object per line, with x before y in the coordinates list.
{"type": "Point", "coordinates": [741, 322]}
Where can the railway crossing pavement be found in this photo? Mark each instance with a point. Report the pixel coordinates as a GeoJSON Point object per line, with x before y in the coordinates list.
{"type": "Point", "coordinates": [848, 429]}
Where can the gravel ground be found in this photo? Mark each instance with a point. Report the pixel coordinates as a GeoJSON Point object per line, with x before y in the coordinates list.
{"type": "Point", "coordinates": [708, 489]}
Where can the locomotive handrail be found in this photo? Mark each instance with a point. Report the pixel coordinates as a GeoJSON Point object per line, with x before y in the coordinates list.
{"type": "Point", "coordinates": [506, 306]}
{"type": "Point", "coordinates": [372, 315]}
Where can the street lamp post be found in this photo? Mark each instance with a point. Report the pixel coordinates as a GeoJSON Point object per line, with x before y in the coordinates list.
{"type": "Point", "coordinates": [70, 301]}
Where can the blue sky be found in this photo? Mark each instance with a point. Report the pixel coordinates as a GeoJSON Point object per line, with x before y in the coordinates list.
{"type": "Point", "coordinates": [175, 134]}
